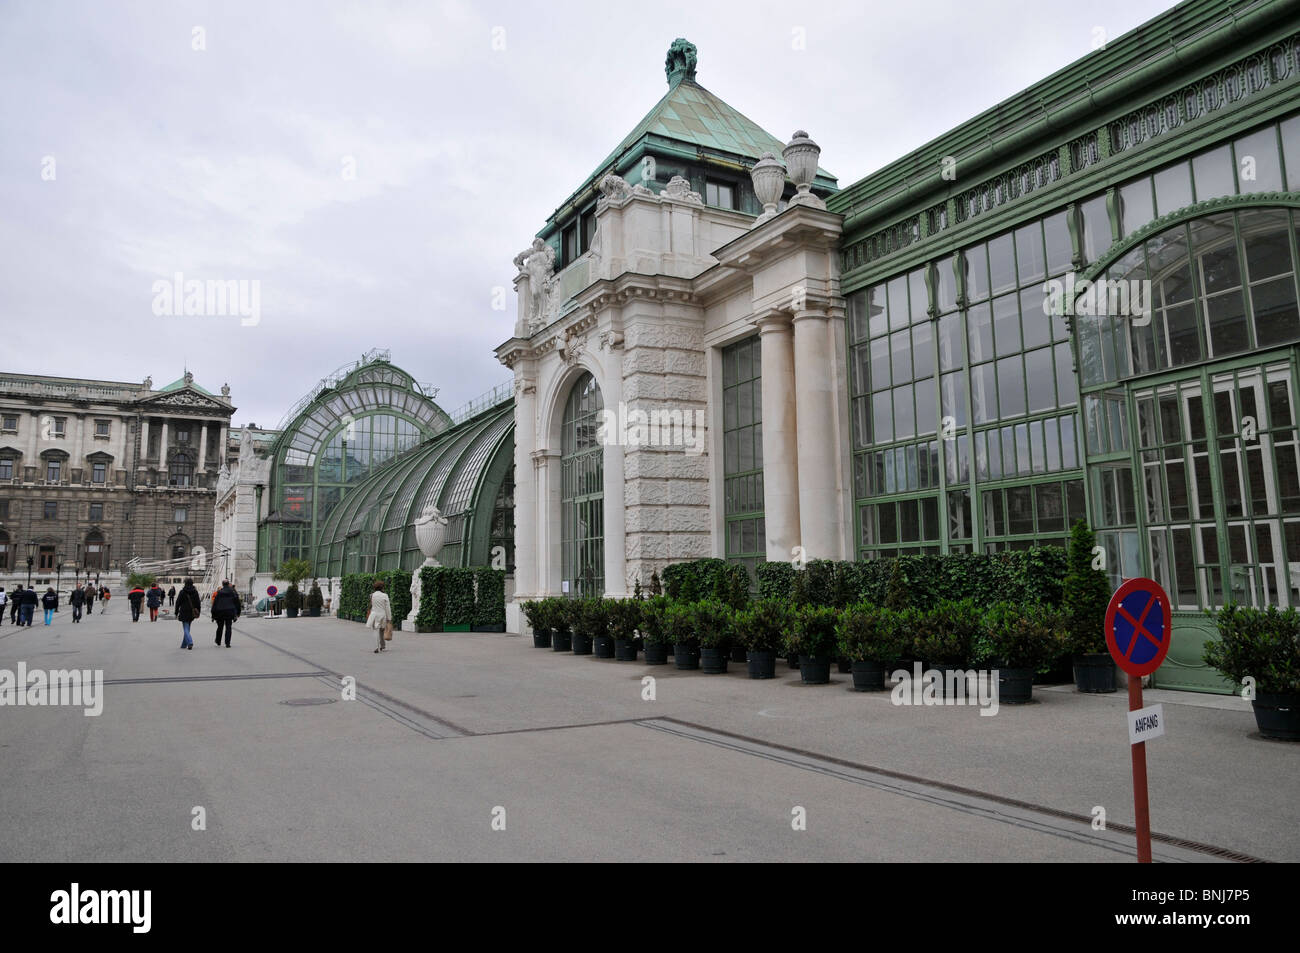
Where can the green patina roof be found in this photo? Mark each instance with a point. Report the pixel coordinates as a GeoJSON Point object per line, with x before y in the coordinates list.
{"type": "Point", "coordinates": [180, 382]}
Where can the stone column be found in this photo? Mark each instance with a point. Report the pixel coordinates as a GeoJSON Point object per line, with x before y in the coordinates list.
{"type": "Point", "coordinates": [613, 510]}
{"type": "Point", "coordinates": [526, 578]}
{"type": "Point", "coordinates": [222, 440]}
{"type": "Point", "coordinates": [79, 445]}
{"type": "Point", "coordinates": [781, 497]}
{"type": "Point", "coordinates": [203, 447]}
{"type": "Point", "coordinates": [546, 472]}
{"type": "Point", "coordinates": [818, 465]}
{"type": "Point", "coordinates": [162, 448]}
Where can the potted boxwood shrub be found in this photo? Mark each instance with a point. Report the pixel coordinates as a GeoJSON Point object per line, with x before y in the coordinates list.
{"type": "Point", "coordinates": [1263, 645]}
{"type": "Point", "coordinates": [559, 614]}
{"type": "Point", "coordinates": [813, 640]}
{"type": "Point", "coordinates": [944, 636]}
{"type": "Point", "coordinates": [712, 621]}
{"type": "Point", "coordinates": [315, 600]}
{"type": "Point", "coordinates": [1017, 640]}
{"type": "Point", "coordinates": [598, 618]}
{"type": "Point", "coordinates": [762, 629]}
{"type": "Point", "coordinates": [1085, 593]}
{"type": "Point", "coordinates": [585, 622]}
{"type": "Point", "coordinates": [873, 638]}
{"type": "Point", "coordinates": [679, 626]}
{"type": "Point", "coordinates": [654, 631]}
{"type": "Point", "coordinates": [293, 600]}
{"type": "Point", "coordinates": [624, 617]}
{"type": "Point", "coordinates": [537, 613]}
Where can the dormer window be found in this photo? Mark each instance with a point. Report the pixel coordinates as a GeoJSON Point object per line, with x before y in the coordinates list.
{"type": "Point", "coordinates": [570, 244]}
{"type": "Point", "coordinates": [719, 194]}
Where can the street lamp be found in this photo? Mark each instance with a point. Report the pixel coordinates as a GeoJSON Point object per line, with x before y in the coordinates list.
{"type": "Point", "coordinates": [58, 572]}
{"type": "Point", "coordinates": [76, 568]}
{"type": "Point", "coordinates": [31, 558]}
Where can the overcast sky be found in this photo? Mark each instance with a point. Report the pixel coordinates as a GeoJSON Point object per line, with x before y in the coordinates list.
{"type": "Point", "coordinates": [376, 166]}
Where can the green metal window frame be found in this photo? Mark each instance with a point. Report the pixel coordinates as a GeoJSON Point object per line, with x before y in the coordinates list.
{"type": "Point", "coordinates": [744, 523]}
{"type": "Point", "coordinates": [582, 494]}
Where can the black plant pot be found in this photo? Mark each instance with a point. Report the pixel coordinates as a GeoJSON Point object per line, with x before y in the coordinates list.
{"type": "Point", "coordinates": [314, 613]}
{"type": "Point", "coordinates": [625, 650]}
{"type": "Point", "coordinates": [713, 661]}
{"type": "Point", "coordinates": [686, 657]}
{"type": "Point", "coordinates": [562, 642]}
{"type": "Point", "coordinates": [814, 670]}
{"type": "Point", "coordinates": [1094, 673]}
{"type": "Point", "coordinates": [581, 644]}
{"type": "Point", "coordinates": [1015, 686]}
{"type": "Point", "coordinates": [292, 613]}
{"type": "Point", "coordinates": [656, 653]}
{"type": "Point", "coordinates": [761, 663]}
{"type": "Point", "coordinates": [541, 638]}
{"type": "Point", "coordinates": [738, 653]}
{"type": "Point", "coordinates": [792, 660]}
{"type": "Point", "coordinates": [604, 646]}
{"type": "Point", "coordinates": [1278, 716]}
{"type": "Point", "coordinates": [844, 665]}
{"type": "Point", "coordinates": [868, 676]}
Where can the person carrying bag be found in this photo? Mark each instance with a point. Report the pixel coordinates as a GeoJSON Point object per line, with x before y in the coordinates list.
{"type": "Point", "coordinates": [381, 615]}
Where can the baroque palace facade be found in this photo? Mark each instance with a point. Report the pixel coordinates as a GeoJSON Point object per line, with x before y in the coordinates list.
{"type": "Point", "coordinates": [914, 363]}
{"type": "Point", "coordinates": [96, 473]}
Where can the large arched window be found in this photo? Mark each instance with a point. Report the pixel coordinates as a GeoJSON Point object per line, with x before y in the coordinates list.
{"type": "Point", "coordinates": [583, 491]}
{"type": "Point", "coordinates": [181, 470]}
{"type": "Point", "coordinates": [94, 550]}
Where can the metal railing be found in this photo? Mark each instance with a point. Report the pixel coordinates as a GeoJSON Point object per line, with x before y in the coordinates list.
{"type": "Point", "coordinates": [485, 401]}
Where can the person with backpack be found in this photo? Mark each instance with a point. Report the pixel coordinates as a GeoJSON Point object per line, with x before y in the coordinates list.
{"type": "Point", "coordinates": [154, 599]}
{"type": "Point", "coordinates": [50, 603]}
{"type": "Point", "coordinates": [77, 599]}
{"type": "Point", "coordinates": [188, 608]}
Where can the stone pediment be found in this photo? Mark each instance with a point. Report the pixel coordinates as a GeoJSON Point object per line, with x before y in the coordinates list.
{"type": "Point", "coordinates": [185, 399]}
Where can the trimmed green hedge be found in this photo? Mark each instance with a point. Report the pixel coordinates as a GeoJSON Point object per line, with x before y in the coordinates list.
{"type": "Point", "coordinates": [490, 598]}
{"type": "Point", "coordinates": [355, 590]}
{"type": "Point", "coordinates": [455, 596]}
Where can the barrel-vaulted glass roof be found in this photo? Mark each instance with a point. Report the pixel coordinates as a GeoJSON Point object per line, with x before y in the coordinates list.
{"type": "Point", "coordinates": [460, 471]}
{"type": "Point", "coordinates": [352, 422]}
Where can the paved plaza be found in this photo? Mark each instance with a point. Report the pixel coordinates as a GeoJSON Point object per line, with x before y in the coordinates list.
{"type": "Point", "coordinates": [451, 732]}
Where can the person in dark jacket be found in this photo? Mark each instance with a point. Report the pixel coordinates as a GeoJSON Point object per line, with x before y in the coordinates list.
{"type": "Point", "coordinates": [4, 603]}
{"type": "Point", "coordinates": [30, 599]}
{"type": "Point", "coordinates": [171, 596]}
{"type": "Point", "coordinates": [104, 596]}
{"type": "Point", "coordinates": [154, 599]}
{"type": "Point", "coordinates": [188, 608]}
{"type": "Point", "coordinates": [77, 599]}
{"type": "Point", "coordinates": [50, 603]}
{"type": "Point", "coordinates": [226, 607]}
{"type": "Point", "coordinates": [136, 598]}
{"type": "Point", "coordinates": [15, 604]}
{"type": "Point", "coordinates": [90, 598]}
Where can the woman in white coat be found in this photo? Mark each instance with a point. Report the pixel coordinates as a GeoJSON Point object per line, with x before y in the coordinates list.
{"type": "Point", "coordinates": [381, 613]}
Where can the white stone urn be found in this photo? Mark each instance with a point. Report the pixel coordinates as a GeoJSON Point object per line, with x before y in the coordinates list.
{"type": "Point", "coordinates": [768, 176]}
{"type": "Point", "coordinates": [430, 533]}
{"type": "Point", "coordinates": [801, 155]}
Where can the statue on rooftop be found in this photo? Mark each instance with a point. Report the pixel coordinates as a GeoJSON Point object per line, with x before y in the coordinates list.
{"type": "Point", "coordinates": [537, 261]}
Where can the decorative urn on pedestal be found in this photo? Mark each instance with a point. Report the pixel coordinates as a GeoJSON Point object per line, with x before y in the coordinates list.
{"type": "Point", "coordinates": [801, 155]}
{"type": "Point", "coordinates": [768, 176]}
{"type": "Point", "coordinates": [430, 532]}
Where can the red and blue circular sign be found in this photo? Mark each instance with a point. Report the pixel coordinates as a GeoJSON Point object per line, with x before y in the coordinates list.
{"type": "Point", "coordinates": [271, 590]}
{"type": "Point", "coordinates": [1139, 627]}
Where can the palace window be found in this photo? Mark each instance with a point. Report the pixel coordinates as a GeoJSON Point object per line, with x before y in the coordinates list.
{"type": "Point", "coordinates": [53, 469]}
{"type": "Point", "coordinates": [98, 472]}
{"type": "Point", "coordinates": [719, 194]}
{"type": "Point", "coordinates": [180, 514]}
{"type": "Point", "coordinates": [742, 436]}
{"type": "Point", "coordinates": [181, 471]}
{"type": "Point", "coordinates": [59, 427]}
{"type": "Point", "coordinates": [6, 468]}
{"type": "Point", "coordinates": [102, 428]}
{"type": "Point", "coordinates": [9, 422]}
{"type": "Point", "coordinates": [96, 512]}
{"type": "Point", "coordinates": [51, 510]}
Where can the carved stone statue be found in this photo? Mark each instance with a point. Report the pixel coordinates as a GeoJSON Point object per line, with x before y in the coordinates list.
{"type": "Point", "coordinates": [681, 61]}
{"type": "Point", "coordinates": [225, 390]}
{"type": "Point", "coordinates": [679, 188]}
{"type": "Point", "coordinates": [189, 378]}
{"type": "Point", "coordinates": [430, 532]}
{"type": "Point", "coordinates": [148, 383]}
{"type": "Point", "coordinates": [537, 261]}
{"type": "Point", "coordinates": [614, 188]}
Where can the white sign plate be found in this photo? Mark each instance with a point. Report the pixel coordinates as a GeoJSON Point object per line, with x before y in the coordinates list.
{"type": "Point", "coordinates": [1146, 723]}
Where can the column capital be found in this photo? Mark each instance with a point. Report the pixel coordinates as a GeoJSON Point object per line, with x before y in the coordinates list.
{"type": "Point", "coordinates": [773, 320]}
{"type": "Point", "coordinates": [810, 313]}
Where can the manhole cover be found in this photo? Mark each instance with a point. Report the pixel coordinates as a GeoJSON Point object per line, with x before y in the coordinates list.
{"type": "Point", "coordinates": [309, 701]}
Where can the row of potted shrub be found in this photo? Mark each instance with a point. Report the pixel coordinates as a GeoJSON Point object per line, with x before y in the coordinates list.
{"type": "Point", "coordinates": [864, 639]}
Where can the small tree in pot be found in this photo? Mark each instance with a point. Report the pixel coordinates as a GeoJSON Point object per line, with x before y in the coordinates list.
{"type": "Point", "coordinates": [315, 600]}
{"type": "Point", "coordinates": [537, 614]}
{"type": "Point", "coordinates": [654, 631]}
{"type": "Point", "coordinates": [944, 636]}
{"type": "Point", "coordinates": [813, 640]}
{"type": "Point", "coordinates": [1084, 597]}
{"type": "Point", "coordinates": [1263, 645]}
{"type": "Point", "coordinates": [624, 617]}
{"type": "Point", "coordinates": [762, 629]}
{"type": "Point", "coordinates": [873, 638]}
{"type": "Point", "coordinates": [679, 627]}
{"type": "Point", "coordinates": [559, 613]}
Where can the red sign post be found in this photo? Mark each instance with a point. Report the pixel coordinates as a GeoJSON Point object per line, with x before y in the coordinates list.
{"type": "Point", "coordinates": [1139, 628]}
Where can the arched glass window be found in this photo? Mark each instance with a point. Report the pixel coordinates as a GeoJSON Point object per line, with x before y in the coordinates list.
{"type": "Point", "coordinates": [94, 550]}
{"type": "Point", "coordinates": [583, 491]}
{"type": "Point", "coordinates": [181, 471]}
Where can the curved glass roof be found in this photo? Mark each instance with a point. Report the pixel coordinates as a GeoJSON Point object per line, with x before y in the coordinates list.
{"type": "Point", "coordinates": [460, 471]}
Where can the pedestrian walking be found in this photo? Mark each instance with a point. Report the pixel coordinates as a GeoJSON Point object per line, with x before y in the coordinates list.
{"type": "Point", "coordinates": [30, 599]}
{"type": "Point", "coordinates": [77, 599]}
{"type": "Point", "coordinates": [4, 601]}
{"type": "Point", "coordinates": [154, 599]}
{"type": "Point", "coordinates": [136, 598]}
{"type": "Point", "coordinates": [381, 615]}
{"type": "Point", "coordinates": [171, 596]}
{"type": "Point", "coordinates": [50, 603]}
{"type": "Point", "coordinates": [90, 598]}
{"type": "Point", "coordinates": [226, 607]}
{"type": "Point", "coordinates": [187, 610]}
{"type": "Point", "coordinates": [15, 605]}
